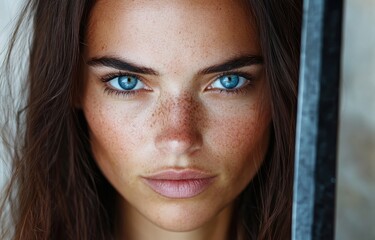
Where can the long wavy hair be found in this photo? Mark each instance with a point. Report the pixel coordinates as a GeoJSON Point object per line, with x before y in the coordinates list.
{"type": "Point", "coordinates": [56, 190]}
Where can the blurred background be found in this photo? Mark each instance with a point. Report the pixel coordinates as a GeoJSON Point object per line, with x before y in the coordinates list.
{"type": "Point", "coordinates": [355, 210]}
{"type": "Point", "coordinates": [8, 16]}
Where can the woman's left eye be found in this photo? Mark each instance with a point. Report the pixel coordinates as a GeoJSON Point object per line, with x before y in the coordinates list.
{"type": "Point", "coordinates": [228, 82]}
{"type": "Point", "coordinates": [126, 83]}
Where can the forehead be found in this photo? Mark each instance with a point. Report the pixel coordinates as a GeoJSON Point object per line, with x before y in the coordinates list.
{"type": "Point", "coordinates": [158, 31]}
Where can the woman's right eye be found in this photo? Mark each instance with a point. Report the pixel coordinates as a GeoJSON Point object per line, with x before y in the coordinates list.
{"type": "Point", "coordinates": [126, 83]}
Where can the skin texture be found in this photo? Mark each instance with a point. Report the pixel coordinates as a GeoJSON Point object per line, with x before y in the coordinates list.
{"type": "Point", "coordinates": [179, 120]}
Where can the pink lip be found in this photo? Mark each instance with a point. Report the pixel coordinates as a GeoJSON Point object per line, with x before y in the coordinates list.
{"type": "Point", "coordinates": [179, 184]}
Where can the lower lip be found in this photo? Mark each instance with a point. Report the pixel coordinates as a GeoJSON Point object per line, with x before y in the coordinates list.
{"type": "Point", "coordinates": [185, 188]}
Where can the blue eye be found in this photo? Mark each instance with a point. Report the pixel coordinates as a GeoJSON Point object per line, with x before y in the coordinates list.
{"type": "Point", "coordinates": [126, 83]}
{"type": "Point", "coordinates": [229, 82]}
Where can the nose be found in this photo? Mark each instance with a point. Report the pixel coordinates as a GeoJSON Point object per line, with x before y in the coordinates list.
{"type": "Point", "coordinates": [178, 121]}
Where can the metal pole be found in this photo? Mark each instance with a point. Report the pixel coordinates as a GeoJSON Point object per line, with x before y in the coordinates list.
{"type": "Point", "coordinates": [317, 118]}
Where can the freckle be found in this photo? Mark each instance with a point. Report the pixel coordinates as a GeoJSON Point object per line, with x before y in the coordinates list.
{"type": "Point", "coordinates": [185, 110]}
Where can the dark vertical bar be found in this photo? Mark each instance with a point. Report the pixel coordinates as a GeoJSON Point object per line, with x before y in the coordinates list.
{"type": "Point", "coordinates": [316, 138]}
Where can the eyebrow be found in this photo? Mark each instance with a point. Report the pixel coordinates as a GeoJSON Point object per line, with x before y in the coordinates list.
{"type": "Point", "coordinates": [121, 64]}
{"type": "Point", "coordinates": [234, 63]}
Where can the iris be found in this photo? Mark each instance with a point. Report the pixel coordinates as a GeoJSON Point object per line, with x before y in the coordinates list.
{"type": "Point", "coordinates": [127, 82]}
{"type": "Point", "coordinates": [229, 81]}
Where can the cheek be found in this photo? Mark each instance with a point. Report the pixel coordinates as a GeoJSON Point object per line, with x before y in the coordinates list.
{"type": "Point", "coordinates": [244, 130]}
{"type": "Point", "coordinates": [112, 136]}
{"type": "Point", "coordinates": [239, 141]}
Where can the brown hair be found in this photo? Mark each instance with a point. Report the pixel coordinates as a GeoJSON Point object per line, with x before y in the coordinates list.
{"type": "Point", "coordinates": [56, 190]}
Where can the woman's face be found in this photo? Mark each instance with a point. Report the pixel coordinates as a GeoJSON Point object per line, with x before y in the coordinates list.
{"type": "Point", "coordinates": [177, 104]}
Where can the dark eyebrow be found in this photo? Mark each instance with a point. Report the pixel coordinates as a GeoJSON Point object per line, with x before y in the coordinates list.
{"type": "Point", "coordinates": [236, 62]}
{"type": "Point", "coordinates": [120, 64]}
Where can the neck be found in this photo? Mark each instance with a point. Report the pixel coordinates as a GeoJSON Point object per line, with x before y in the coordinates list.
{"type": "Point", "coordinates": [131, 225]}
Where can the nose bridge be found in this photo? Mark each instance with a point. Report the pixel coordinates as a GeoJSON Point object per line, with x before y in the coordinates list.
{"type": "Point", "coordinates": [181, 110]}
{"type": "Point", "coordinates": [178, 124]}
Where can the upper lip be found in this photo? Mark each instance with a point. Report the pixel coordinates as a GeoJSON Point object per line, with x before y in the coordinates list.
{"type": "Point", "coordinates": [185, 174]}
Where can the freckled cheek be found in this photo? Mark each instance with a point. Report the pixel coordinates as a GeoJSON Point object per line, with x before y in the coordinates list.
{"type": "Point", "coordinates": [241, 141]}
{"type": "Point", "coordinates": [239, 132]}
{"type": "Point", "coordinates": [113, 139]}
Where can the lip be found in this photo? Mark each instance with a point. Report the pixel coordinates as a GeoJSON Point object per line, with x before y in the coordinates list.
{"type": "Point", "coordinates": [179, 183]}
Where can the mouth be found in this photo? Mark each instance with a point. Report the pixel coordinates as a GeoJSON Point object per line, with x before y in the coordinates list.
{"type": "Point", "coordinates": [179, 184]}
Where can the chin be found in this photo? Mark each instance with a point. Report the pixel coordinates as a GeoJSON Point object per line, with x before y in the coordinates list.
{"type": "Point", "coordinates": [180, 225]}
{"type": "Point", "coordinates": [182, 218]}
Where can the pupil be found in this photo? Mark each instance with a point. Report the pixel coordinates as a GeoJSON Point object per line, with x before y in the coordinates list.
{"type": "Point", "coordinates": [127, 83]}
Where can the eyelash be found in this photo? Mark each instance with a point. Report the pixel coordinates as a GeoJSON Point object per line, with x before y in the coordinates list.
{"type": "Point", "coordinates": [249, 78]}
{"type": "Point", "coordinates": [243, 89]}
{"type": "Point", "coordinates": [111, 91]}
